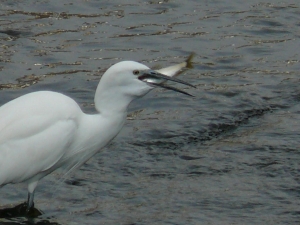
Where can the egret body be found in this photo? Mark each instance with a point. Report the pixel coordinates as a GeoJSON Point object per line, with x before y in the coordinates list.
{"type": "Point", "coordinates": [42, 131]}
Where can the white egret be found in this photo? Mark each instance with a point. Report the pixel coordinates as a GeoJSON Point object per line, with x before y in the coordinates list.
{"type": "Point", "coordinates": [42, 131]}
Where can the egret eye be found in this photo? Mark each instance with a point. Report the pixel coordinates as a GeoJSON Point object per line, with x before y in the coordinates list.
{"type": "Point", "coordinates": [136, 72]}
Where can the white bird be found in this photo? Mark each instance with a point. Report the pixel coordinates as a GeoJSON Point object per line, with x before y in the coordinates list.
{"type": "Point", "coordinates": [42, 131]}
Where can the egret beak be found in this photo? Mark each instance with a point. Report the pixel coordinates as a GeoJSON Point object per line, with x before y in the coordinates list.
{"type": "Point", "coordinates": [155, 78]}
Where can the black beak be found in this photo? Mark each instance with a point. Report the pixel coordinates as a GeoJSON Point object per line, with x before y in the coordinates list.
{"type": "Point", "coordinates": [157, 79]}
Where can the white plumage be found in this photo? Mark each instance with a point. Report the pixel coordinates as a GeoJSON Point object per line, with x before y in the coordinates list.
{"type": "Point", "coordinates": [42, 131]}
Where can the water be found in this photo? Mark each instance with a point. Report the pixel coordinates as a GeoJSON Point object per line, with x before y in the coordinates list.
{"type": "Point", "coordinates": [228, 156]}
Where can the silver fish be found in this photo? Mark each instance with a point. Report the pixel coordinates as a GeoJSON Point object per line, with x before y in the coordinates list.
{"type": "Point", "coordinates": [159, 77]}
{"type": "Point", "coordinates": [177, 69]}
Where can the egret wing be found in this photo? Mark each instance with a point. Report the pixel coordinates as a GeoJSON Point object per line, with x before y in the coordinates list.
{"type": "Point", "coordinates": [36, 130]}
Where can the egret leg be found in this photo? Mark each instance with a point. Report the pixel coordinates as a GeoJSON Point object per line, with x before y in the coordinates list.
{"type": "Point", "coordinates": [31, 187]}
{"type": "Point", "coordinates": [30, 203]}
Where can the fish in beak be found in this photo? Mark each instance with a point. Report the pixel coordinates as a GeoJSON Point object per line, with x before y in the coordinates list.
{"type": "Point", "coordinates": [159, 77]}
{"type": "Point", "coordinates": [175, 70]}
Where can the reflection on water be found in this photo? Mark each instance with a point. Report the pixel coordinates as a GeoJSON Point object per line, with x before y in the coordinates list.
{"type": "Point", "coordinates": [229, 155]}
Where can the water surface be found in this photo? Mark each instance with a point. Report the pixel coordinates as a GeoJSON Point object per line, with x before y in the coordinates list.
{"type": "Point", "coordinates": [228, 156]}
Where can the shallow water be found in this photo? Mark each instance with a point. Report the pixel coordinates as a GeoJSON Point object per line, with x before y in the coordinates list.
{"type": "Point", "coordinates": [228, 156]}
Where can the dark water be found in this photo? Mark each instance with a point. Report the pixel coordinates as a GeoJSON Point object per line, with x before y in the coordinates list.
{"type": "Point", "coordinates": [229, 156]}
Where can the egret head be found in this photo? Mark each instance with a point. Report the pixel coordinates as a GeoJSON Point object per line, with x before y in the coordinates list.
{"type": "Point", "coordinates": [135, 79]}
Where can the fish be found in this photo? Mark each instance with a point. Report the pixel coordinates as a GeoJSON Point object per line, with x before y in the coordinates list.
{"type": "Point", "coordinates": [171, 71]}
{"type": "Point", "coordinates": [175, 70]}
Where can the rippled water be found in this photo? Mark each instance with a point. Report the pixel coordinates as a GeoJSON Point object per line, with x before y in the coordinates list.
{"type": "Point", "coordinates": [228, 156]}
